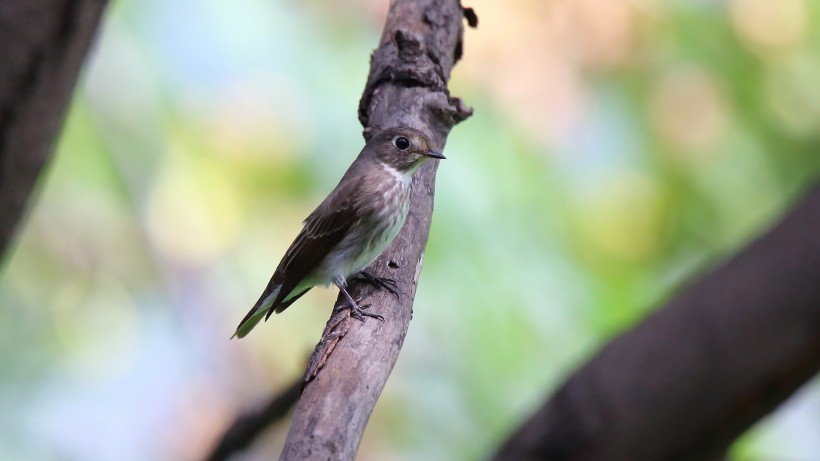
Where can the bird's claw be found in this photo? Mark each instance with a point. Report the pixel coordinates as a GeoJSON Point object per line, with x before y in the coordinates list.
{"type": "Point", "coordinates": [358, 312]}
{"type": "Point", "coordinates": [379, 282]}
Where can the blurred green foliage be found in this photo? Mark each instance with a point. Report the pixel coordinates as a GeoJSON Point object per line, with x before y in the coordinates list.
{"type": "Point", "coordinates": [617, 149]}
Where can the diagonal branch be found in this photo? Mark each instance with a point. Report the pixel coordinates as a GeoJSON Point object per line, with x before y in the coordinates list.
{"type": "Point", "coordinates": [247, 427]}
{"type": "Point", "coordinates": [692, 377]}
{"type": "Point", "coordinates": [42, 45]}
{"type": "Point", "coordinates": [407, 87]}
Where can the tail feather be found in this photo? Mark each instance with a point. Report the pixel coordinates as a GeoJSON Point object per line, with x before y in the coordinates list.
{"type": "Point", "coordinates": [262, 307]}
{"type": "Point", "coordinates": [286, 303]}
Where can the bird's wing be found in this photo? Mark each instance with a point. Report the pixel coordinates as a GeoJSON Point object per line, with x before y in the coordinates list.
{"type": "Point", "coordinates": [322, 230]}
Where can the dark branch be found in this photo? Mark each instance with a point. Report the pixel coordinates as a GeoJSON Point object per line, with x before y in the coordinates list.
{"type": "Point", "coordinates": [692, 377]}
{"type": "Point", "coordinates": [247, 427]}
{"type": "Point", "coordinates": [406, 87]}
{"type": "Point", "coordinates": [42, 45]}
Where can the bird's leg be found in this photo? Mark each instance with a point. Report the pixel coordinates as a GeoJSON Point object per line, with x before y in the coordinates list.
{"type": "Point", "coordinates": [356, 311]}
{"type": "Point", "coordinates": [379, 282]}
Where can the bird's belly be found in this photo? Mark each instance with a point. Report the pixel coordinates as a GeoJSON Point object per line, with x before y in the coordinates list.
{"type": "Point", "coordinates": [366, 240]}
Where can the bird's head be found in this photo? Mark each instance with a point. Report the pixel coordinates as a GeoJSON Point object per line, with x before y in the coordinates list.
{"type": "Point", "coordinates": [404, 149]}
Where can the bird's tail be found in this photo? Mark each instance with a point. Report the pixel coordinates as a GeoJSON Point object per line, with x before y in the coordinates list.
{"type": "Point", "coordinates": [257, 313]}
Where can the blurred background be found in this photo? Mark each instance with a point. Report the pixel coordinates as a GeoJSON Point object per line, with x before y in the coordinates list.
{"type": "Point", "coordinates": [618, 148]}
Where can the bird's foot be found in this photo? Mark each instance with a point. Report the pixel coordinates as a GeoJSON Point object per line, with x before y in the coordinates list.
{"type": "Point", "coordinates": [379, 282]}
{"type": "Point", "coordinates": [357, 311]}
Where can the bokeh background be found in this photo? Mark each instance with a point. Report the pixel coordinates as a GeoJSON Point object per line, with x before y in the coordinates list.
{"type": "Point", "coordinates": [618, 147]}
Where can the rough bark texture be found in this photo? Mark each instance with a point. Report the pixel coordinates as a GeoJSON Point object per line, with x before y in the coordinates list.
{"type": "Point", "coordinates": [42, 45]}
{"type": "Point", "coordinates": [688, 380]}
{"type": "Point", "coordinates": [407, 86]}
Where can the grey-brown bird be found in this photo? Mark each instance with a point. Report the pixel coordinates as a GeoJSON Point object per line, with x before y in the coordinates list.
{"type": "Point", "coordinates": [351, 227]}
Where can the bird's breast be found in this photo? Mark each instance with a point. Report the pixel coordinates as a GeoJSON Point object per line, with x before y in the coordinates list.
{"type": "Point", "coordinates": [382, 213]}
{"type": "Point", "coordinates": [389, 209]}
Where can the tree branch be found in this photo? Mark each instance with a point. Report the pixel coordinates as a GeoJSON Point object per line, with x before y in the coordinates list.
{"type": "Point", "coordinates": [247, 427]}
{"type": "Point", "coordinates": [693, 376]}
{"type": "Point", "coordinates": [42, 45]}
{"type": "Point", "coordinates": [407, 87]}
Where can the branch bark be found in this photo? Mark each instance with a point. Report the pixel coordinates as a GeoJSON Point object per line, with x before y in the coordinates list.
{"type": "Point", "coordinates": [407, 86]}
{"type": "Point", "coordinates": [687, 381]}
{"type": "Point", "coordinates": [42, 46]}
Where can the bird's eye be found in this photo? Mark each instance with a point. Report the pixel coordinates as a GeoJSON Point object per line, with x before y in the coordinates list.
{"type": "Point", "coordinates": [401, 143]}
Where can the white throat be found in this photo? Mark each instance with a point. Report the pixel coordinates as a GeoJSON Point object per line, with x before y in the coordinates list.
{"type": "Point", "coordinates": [404, 176]}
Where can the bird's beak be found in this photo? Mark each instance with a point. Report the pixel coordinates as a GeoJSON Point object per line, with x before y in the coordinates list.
{"type": "Point", "coordinates": [432, 154]}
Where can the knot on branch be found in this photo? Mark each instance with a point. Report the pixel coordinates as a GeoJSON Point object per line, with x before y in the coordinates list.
{"type": "Point", "coordinates": [451, 111]}
{"type": "Point", "coordinates": [471, 17]}
{"type": "Point", "coordinates": [403, 61]}
{"type": "Point", "coordinates": [409, 45]}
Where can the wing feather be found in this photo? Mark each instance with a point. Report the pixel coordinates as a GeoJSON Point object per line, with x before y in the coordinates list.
{"type": "Point", "coordinates": [322, 231]}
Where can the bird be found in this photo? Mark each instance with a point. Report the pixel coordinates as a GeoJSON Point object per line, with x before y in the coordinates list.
{"type": "Point", "coordinates": [351, 227]}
